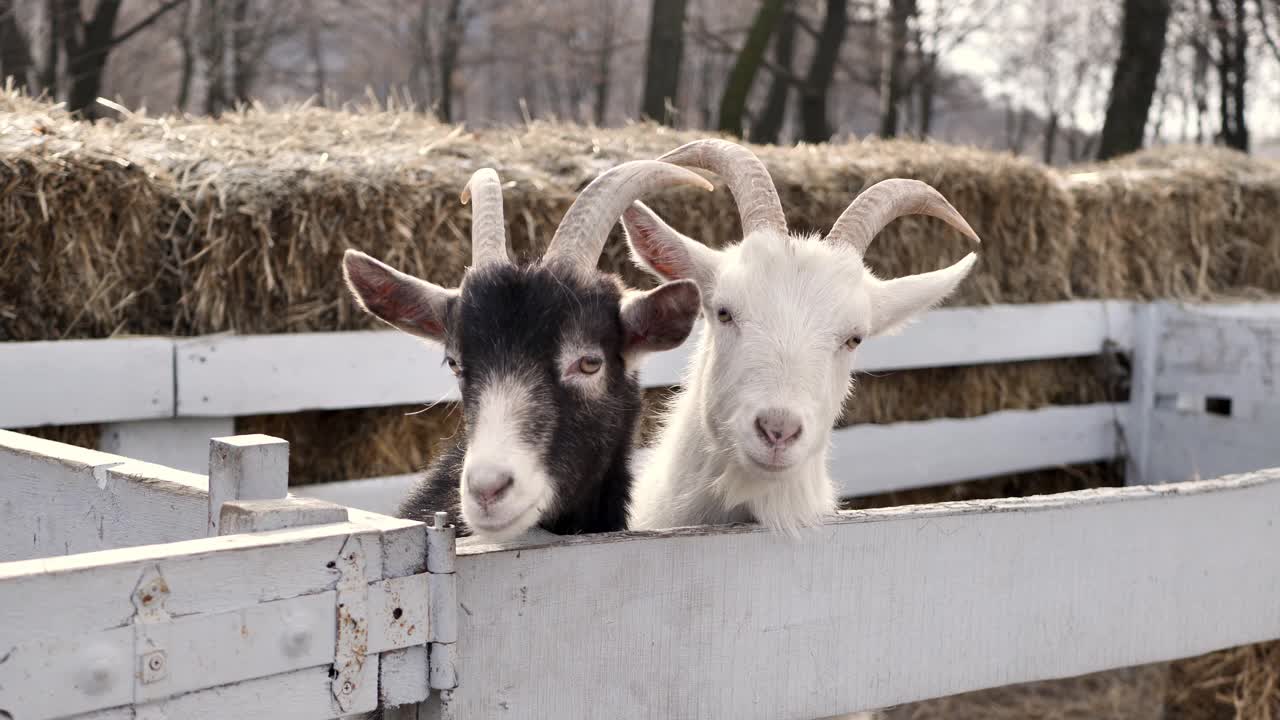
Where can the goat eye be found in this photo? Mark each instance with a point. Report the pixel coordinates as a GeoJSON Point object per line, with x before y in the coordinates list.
{"type": "Point", "coordinates": [454, 367]}
{"type": "Point", "coordinates": [724, 316]}
{"type": "Point", "coordinates": [853, 342]}
{"type": "Point", "coordinates": [590, 365]}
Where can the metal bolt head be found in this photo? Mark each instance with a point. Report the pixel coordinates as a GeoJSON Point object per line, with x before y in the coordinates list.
{"type": "Point", "coordinates": [155, 666]}
{"type": "Point", "coordinates": [347, 687]}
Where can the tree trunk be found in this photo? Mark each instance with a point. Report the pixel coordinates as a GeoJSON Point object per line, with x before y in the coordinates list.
{"type": "Point", "coordinates": [15, 52]}
{"type": "Point", "coordinates": [604, 60]}
{"type": "Point", "coordinates": [1232, 64]}
{"type": "Point", "coordinates": [895, 55]}
{"type": "Point", "coordinates": [315, 48]}
{"type": "Point", "coordinates": [768, 128]}
{"type": "Point", "coordinates": [662, 65]}
{"type": "Point", "coordinates": [449, 57]}
{"type": "Point", "coordinates": [213, 45]}
{"type": "Point", "coordinates": [815, 125]}
{"type": "Point", "coordinates": [188, 68]}
{"type": "Point", "coordinates": [925, 92]}
{"type": "Point", "coordinates": [1050, 138]}
{"type": "Point", "coordinates": [420, 76]}
{"type": "Point", "coordinates": [1134, 83]}
{"type": "Point", "coordinates": [48, 71]}
{"type": "Point", "coordinates": [733, 103]}
{"type": "Point", "coordinates": [87, 45]}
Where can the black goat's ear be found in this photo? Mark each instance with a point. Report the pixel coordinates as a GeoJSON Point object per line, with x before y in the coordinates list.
{"type": "Point", "coordinates": [403, 301]}
{"type": "Point", "coordinates": [661, 318]}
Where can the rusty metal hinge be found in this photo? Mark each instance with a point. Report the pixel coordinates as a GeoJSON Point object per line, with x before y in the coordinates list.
{"type": "Point", "coordinates": [442, 589]}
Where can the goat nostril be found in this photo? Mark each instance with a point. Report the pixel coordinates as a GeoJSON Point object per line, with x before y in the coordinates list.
{"type": "Point", "coordinates": [777, 428]}
{"type": "Point", "coordinates": [491, 489]}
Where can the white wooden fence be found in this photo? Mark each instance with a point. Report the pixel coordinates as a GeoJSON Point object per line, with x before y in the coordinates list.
{"type": "Point", "coordinates": [132, 590]}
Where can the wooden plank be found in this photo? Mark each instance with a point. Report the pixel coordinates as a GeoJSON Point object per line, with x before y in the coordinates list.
{"type": "Point", "coordinates": [245, 467]}
{"type": "Point", "coordinates": [89, 501]}
{"type": "Point", "coordinates": [252, 374]}
{"type": "Point", "coordinates": [1227, 351]}
{"type": "Point", "coordinates": [235, 375]}
{"type": "Point", "coordinates": [243, 516]}
{"type": "Point", "coordinates": [875, 609]}
{"type": "Point", "coordinates": [59, 676]}
{"type": "Point", "coordinates": [299, 694]}
{"type": "Point", "coordinates": [65, 382]}
{"type": "Point", "coordinates": [868, 459]}
{"type": "Point", "coordinates": [379, 495]}
{"type": "Point", "coordinates": [92, 592]}
{"type": "Point", "coordinates": [1193, 446]}
{"type": "Point", "coordinates": [180, 443]}
{"type": "Point", "coordinates": [1142, 392]}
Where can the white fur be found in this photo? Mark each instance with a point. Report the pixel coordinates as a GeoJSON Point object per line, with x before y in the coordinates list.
{"type": "Point", "coordinates": [795, 301]}
{"type": "Point", "coordinates": [495, 441]}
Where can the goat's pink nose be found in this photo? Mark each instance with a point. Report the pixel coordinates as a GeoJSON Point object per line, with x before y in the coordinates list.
{"type": "Point", "coordinates": [778, 428]}
{"type": "Point", "coordinates": [487, 483]}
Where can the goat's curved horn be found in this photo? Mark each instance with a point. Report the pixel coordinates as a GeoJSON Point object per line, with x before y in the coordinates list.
{"type": "Point", "coordinates": [585, 227]}
{"type": "Point", "coordinates": [887, 201]}
{"type": "Point", "coordinates": [747, 177]}
{"type": "Point", "coordinates": [488, 229]}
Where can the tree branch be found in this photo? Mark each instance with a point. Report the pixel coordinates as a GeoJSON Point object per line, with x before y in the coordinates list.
{"type": "Point", "coordinates": [146, 21]}
{"type": "Point", "coordinates": [1266, 30]}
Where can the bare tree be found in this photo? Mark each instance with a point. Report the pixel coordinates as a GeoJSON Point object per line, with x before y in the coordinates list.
{"type": "Point", "coordinates": [733, 102]}
{"type": "Point", "coordinates": [816, 126]}
{"type": "Point", "coordinates": [1134, 82]}
{"type": "Point", "coordinates": [893, 67]}
{"type": "Point", "coordinates": [662, 64]}
{"type": "Point", "coordinates": [454, 26]}
{"type": "Point", "coordinates": [15, 50]}
{"type": "Point", "coordinates": [1232, 63]}
{"type": "Point", "coordinates": [87, 40]}
{"type": "Point", "coordinates": [768, 127]}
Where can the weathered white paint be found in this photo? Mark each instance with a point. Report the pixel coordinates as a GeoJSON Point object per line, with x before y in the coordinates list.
{"type": "Point", "coordinates": [868, 459]}
{"type": "Point", "coordinates": [1195, 446]}
{"type": "Point", "coordinates": [65, 382]}
{"type": "Point", "coordinates": [246, 467]}
{"type": "Point", "coordinates": [58, 499]}
{"type": "Point", "coordinates": [878, 608]}
{"type": "Point", "coordinates": [180, 443]}
{"type": "Point", "coordinates": [242, 516]}
{"type": "Point", "coordinates": [1142, 395]}
{"type": "Point", "coordinates": [1229, 351]}
{"type": "Point", "coordinates": [225, 375]}
{"type": "Point", "coordinates": [380, 495]}
{"type": "Point", "coordinates": [230, 611]}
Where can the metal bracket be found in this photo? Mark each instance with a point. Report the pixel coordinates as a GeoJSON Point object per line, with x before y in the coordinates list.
{"type": "Point", "coordinates": [442, 589]}
{"type": "Point", "coordinates": [353, 624]}
{"type": "Point", "coordinates": [150, 626]}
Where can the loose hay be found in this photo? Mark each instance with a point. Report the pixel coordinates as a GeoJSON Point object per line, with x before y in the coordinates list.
{"type": "Point", "coordinates": [183, 226]}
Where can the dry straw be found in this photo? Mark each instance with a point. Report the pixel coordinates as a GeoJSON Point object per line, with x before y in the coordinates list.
{"type": "Point", "coordinates": [181, 225]}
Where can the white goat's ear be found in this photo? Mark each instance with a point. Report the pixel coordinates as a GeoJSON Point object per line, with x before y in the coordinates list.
{"type": "Point", "coordinates": [896, 302]}
{"type": "Point", "coordinates": [659, 319]}
{"type": "Point", "coordinates": [658, 248]}
{"type": "Point", "coordinates": [412, 305]}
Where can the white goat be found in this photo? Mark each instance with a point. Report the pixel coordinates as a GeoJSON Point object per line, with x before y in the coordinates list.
{"type": "Point", "coordinates": [747, 439]}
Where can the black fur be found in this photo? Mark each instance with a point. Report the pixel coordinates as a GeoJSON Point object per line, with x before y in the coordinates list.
{"type": "Point", "coordinates": [511, 319]}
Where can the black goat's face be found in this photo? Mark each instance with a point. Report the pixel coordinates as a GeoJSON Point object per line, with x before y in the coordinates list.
{"type": "Point", "coordinates": [545, 362]}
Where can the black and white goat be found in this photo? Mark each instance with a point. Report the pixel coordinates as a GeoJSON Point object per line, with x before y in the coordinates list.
{"type": "Point", "coordinates": [545, 357]}
{"type": "Point", "coordinates": [747, 439]}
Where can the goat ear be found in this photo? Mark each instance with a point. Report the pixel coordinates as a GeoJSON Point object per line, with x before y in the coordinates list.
{"type": "Point", "coordinates": [661, 318]}
{"type": "Point", "coordinates": [412, 305]}
{"type": "Point", "coordinates": [896, 302]}
{"type": "Point", "coordinates": [658, 248]}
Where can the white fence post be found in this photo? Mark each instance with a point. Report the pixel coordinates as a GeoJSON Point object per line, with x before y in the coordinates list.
{"type": "Point", "coordinates": [246, 467]}
{"type": "Point", "coordinates": [1142, 364]}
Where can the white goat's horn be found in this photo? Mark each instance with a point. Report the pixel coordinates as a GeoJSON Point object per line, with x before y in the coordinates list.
{"type": "Point", "coordinates": [585, 227]}
{"type": "Point", "coordinates": [747, 177]}
{"type": "Point", "coordinates": [887, 201]}
{"type": "Point", "coordinates": [488, 229]}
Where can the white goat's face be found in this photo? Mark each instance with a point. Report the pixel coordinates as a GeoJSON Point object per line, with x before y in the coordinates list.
{"type": "Point", "coordinates": [784, 315]}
